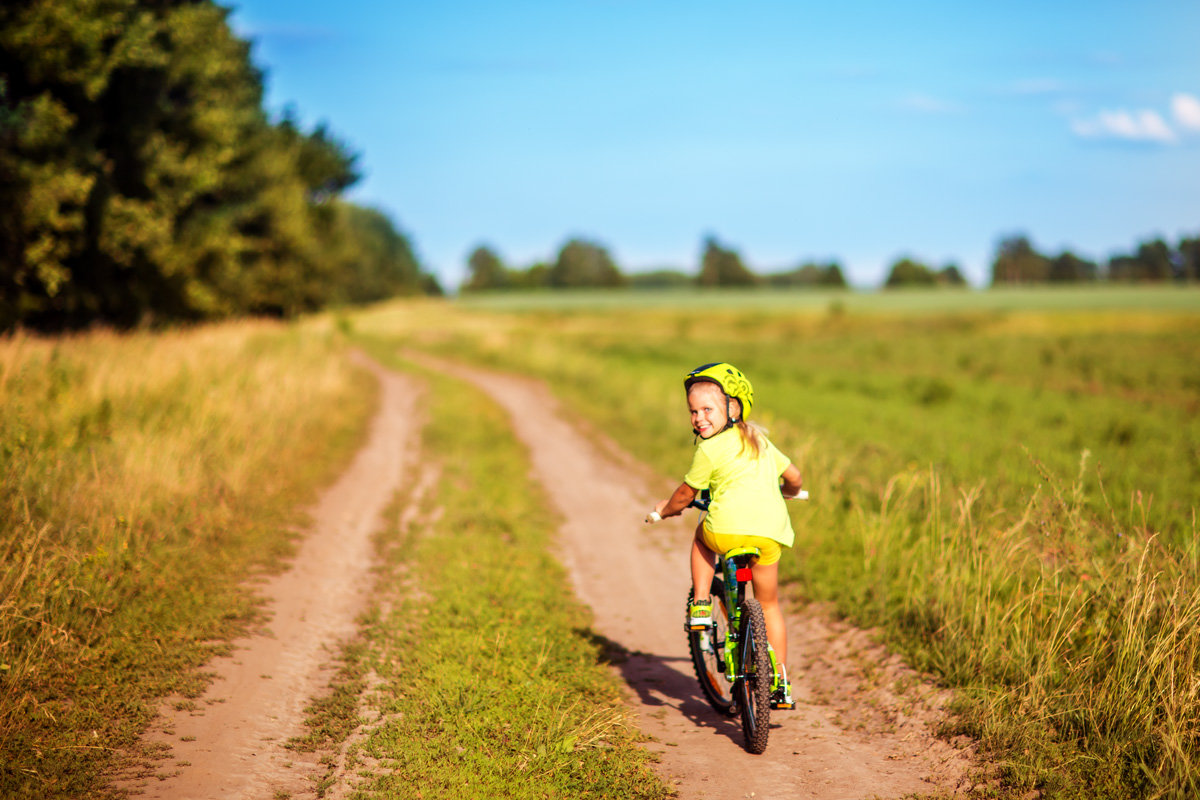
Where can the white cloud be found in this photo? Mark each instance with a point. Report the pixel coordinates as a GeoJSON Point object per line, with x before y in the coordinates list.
{"type": "Point", "coordinates": [1186, 110]}
{"type": "Point", "coordinates": [1136, 126]}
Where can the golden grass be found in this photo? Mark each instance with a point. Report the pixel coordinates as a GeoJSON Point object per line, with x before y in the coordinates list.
{"type": "Point", "coordinates": [144, 476]}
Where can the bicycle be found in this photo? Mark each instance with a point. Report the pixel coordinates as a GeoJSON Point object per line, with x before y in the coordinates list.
{"type": "Point", "coordinates": [734, 663]}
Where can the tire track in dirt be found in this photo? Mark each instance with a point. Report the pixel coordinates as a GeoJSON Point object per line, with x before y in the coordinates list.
{"type": "Point", "coordinates": [851, 737]}
{"type": "Point", "coordinates": [231, 745]}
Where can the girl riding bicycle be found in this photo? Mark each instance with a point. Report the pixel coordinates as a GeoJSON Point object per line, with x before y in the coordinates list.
{"type": "Point", "coordinates": [743, 471]}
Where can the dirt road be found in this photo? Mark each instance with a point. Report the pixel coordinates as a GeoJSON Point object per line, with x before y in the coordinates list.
{"type": "Point", "coordinates": [849, 738]}
{"type": "Point", "coordinates": [230, 746]}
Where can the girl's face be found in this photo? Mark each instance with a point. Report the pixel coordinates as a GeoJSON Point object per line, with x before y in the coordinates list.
{"type": "Point", "coordinates": [706, 401]}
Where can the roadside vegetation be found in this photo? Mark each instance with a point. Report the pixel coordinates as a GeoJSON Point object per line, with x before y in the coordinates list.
{"type": "Point", "coordinates": [143, 479]}
{"type": "Point", "coordinates": [1008, 496]}
{"type": "Point", "coordinates": [477, 669]}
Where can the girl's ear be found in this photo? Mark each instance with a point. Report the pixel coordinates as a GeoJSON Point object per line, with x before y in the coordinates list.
{"type": "Point", "coordinates": [735, 409]}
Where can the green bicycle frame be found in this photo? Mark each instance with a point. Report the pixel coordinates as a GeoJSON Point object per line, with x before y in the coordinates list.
{"type": "Point", "coordinates": [735, 570]}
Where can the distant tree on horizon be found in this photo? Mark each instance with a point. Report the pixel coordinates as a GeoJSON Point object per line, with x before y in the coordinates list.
{"type": "Point", "coordinates": [723, 267]}
{"type": "Point", "coordinates": [1070, 268]}
{"type": "Point", "coordinates": [582, 264]}
{"type": "Point", "coordinates": [906, 271]}
{"type": "Point", "coordinates": [1018, 261]}
{"type": "Point", "coordinates": [487, 271]}
{"type": "Point", "coordinates": [809, 275]}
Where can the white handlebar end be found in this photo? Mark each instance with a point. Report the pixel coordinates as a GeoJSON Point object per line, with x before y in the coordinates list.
{"type": "Point", "coordinates": [654, 516]}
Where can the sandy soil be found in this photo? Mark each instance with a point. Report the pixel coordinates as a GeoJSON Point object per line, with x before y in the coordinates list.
{"type": "Point", "coordinates": [850, 738]}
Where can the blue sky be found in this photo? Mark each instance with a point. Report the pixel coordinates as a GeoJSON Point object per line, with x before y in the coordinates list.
{"type": "Point", "coordinates": [790, 131]}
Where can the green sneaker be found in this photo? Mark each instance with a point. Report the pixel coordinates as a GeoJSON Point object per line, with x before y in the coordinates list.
{"type": "Point", "coordinates": [782, 697]}
{"type": "Point", "coordinates": [699, 615]}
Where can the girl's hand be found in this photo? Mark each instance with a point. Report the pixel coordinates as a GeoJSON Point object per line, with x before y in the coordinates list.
{"type": "Point", "coordinates": [792, 483]}
{"type": "Point", "coordinates": [673, 506]}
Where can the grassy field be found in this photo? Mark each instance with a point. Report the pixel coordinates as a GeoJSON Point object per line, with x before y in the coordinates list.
{"type": "Point", "coordinates": [1032, 298]}
{"type": "Point", "coordinates": [1004, 485]}
{"type": "Point", "coordinates": [143, 479]}
{"type": "Point", "coordinates": [1009, 495]}
{"type": "Point", "coordinates": [147, 479]}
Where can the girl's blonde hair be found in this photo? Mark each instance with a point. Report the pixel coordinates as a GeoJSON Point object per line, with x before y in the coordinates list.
{"type": "Point", "coordinates": [752, 434]}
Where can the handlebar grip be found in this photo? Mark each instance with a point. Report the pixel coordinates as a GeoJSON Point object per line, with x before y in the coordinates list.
{"type": "Point", "coordinates": [800, 495]}
{"type": "Point", "coordinates": [653, 516]}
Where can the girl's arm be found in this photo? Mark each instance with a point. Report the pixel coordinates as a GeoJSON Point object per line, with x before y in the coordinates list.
{"type": "Point", "coordinates": [678, 501]}
{"type": "Point", "coordinates": [792, 481]}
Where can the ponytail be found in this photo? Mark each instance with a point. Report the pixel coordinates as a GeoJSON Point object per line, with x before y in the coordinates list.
{"type": "Point", "coordinates": [752, 437]}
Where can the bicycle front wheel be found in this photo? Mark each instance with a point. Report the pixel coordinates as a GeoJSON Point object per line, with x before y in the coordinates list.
{"type": "Point", "coordinates": [706, 659]}
{"type": "Point", "coordinates": [754, 688]}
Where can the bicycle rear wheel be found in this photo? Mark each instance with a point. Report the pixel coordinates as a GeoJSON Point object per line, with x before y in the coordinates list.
{"type": "Point", "coordinates": [709, 666]}
{"type": "Point", "coordinates": [754, 690]}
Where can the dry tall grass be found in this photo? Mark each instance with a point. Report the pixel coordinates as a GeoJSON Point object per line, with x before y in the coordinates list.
{"type": "Point", "coordinates": [141, 477]}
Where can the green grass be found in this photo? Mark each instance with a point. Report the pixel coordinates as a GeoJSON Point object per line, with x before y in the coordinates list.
{"type": "Point", "coordinates": [1161, 297]}
{"type": "Point", "coordinates": [486, 680]}
{"type": "Point", "coordinates": [140, 485]}
{"type": "Point", "coordinates": [1009, 496]}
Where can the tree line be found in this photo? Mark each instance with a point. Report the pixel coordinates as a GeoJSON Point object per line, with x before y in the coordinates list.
{"type": "Point", "coordinates": [142, 181]}
{"type": "Point", "coordinates": [1155, 261]}
{"type": "Point", "coordinates": [582, 264]}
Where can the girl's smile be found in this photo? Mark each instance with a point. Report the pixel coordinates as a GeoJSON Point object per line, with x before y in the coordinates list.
{"type": "Point", "coordinates": [706, 401]}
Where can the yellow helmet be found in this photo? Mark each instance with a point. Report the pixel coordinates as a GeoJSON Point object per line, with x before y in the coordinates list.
{"type": "Point", "coordinates": [731, 380]}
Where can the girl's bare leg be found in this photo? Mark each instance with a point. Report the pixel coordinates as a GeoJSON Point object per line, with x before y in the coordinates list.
{"type": "Point", "coordinates": [766, 592]}
{"type": "Point", "coordinates": [702, 567]}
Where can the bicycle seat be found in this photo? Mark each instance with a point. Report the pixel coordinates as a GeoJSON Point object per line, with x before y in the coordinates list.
{"type": "Point", "coordinates": [743, 555]}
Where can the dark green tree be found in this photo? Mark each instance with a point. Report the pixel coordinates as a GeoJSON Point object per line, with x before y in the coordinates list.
{"type": "Point", "coordinates": [909, 272]}
{"type": "Point", "coordinates": [720, 266]}
{"type": "Point", "coordinates": [584, 264]}
{"type": "Point", "coordinates": [326, 164]}
{"type": "Point", "coordinates": [373, 259]}
{"type": "Point", "coordinates": [1017, 261]}
{"type": "Point", "coordinates": [809, 275]}
{"type": "Point", "coordinates": [140, 179]}
{"type": "Point", "coordinates": [1155, 257]}
{"type": "Point", "coordinates": [833, 276]}
{"type": "Point", "coordinates": [951, 275]}
{"type": "Point", "coordinates": [536, 276]}
{"type": "Point", "coordinates": [1070, 268]}
{"type": "Point", "coordinates": [1189, 259]}
{"type": "Point", "coordinates": [1150, 262]}
{"type": "Point", "coordinates": [487, 271]}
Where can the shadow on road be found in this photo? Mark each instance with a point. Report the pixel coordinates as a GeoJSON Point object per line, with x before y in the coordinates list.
{"type": "Point", "coordinates": [661, 680]}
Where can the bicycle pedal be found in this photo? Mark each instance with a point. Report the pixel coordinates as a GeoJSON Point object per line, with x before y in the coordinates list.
{"type": "Point", "coordinates": [782, 705]}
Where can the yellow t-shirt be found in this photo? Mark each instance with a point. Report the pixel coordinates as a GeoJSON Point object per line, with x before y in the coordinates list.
{"type": "Point", "coordinates": [745, 498]}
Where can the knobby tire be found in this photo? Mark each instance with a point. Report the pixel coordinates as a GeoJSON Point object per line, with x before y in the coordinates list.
{"type": "Point", "coordinates": [754, 691]}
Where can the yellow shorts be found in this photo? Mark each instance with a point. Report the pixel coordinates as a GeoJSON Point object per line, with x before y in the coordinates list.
{"type": "Point", "coordinates": [769, 549]}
